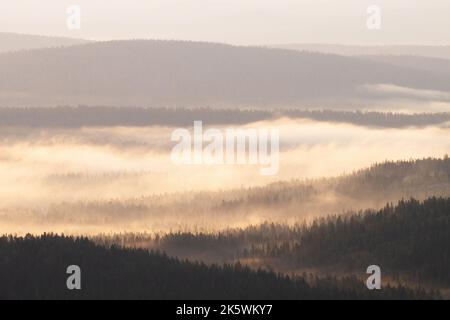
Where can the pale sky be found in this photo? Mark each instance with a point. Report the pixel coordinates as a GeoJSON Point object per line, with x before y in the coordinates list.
{"type": "Point", "coordinates": [236, 21]}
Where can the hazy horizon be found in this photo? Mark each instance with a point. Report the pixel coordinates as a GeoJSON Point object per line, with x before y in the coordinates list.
{"type": "Point", "coordinates": [282, 45]}
{"type": "Point", "coordinates": [244, 23]}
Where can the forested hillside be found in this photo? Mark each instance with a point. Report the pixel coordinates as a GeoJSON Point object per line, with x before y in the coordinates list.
{"type": "Point", "coordinates": [35, 268]}
{"type": "Point", "coordinates": [409, 241]}
{"type": "Point", "coordinates": [192, 74]}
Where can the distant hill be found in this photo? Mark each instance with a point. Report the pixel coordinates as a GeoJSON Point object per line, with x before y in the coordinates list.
{"type": "Point", "coordinates": [17, 42]}
{"type": "Point", "coordinates": [442, 52]}
{"type": "Point", "coordinates": [192, 74]}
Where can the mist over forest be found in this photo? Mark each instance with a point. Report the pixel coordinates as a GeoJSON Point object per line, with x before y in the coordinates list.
{"type": "Point", "coordinates": [363, 176]}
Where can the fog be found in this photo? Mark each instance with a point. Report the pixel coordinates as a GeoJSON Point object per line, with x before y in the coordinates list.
{"type": "Point", "coordinates": [384, 90]}
{"type": "Point", "coordinates": [141, 157]}
{"type": "Point", "coordinates": [49, 172]}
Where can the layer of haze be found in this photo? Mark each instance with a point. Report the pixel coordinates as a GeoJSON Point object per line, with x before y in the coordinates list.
{"type": "Point", "coordinates": [142, 155]}
{"type": "Point", "coordinates": [43, 167]}
{"type": "Point", "coordinates": [236, 21]}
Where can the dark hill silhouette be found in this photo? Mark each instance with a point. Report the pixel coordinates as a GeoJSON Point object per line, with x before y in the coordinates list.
{"type": "Point", "coordinates": [35, 268]}
{"type": "Point", "coordinates": [174, 73]}
{"type": "Point", "coordinates": [410, 239]}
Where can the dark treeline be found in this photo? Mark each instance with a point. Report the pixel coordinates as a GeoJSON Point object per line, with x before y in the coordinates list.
{"type": "Point", "coordinates": [62, 117]}
{"type": "Point", "coordinates": [35, 268]}
{"type": "Point", "coordinates": [409, 241]}
{"type": "Point", "coordinates": [414, 178]}
{"type": "Point", "coordinates": [372, 118]}
{"type": "Point", "coordinates": [75, 117]}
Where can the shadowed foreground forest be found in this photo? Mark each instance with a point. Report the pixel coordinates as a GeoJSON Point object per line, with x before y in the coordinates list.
{"type": "Point", "coordinates": [409, 241]}
{"type": "Point", "coordinates": [34, 268]}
